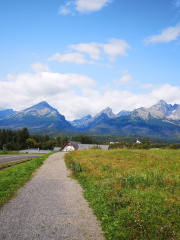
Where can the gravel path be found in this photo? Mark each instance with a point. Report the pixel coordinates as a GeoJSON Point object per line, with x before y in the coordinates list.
{"type": "Point", "coordinates": [49, 207]}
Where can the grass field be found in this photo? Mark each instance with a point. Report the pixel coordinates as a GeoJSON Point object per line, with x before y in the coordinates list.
{"type": "Point", "coordinates": [13, 178]}
{"type": "Point", "coordinates": [4, 152]}
{"type": "Point", "coordinates": [134, 193]}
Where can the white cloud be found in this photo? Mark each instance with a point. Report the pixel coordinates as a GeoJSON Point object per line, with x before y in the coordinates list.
{"type": "Point", "coordinates": [105, 87]}
{"type": "Point", "coordinates": [126, 79]}
{"type": "Point", "coordinates": [64, 11]}
{"type": "Point", "coordinates": [83, 6]}
{"type": "Point", "coordinates": [91, 5]}
{"type": "Point", "coordinates": [25, 90]}
{"type": "Point", "coordinates": [169, 93]}
{"type": "Point", "coordinates": [95, 51]}
{"type": "Point", "coordinates": [92, 49]}
{"type": "Point", "coordinates": [76, 58]}
{"type": "Point", "coordinates": [147, 86]}
{"type": "Point", "coordinates": [167, 35]}
{"type": "Point", "coordinates": [39, 67]}
{"type": "Point", "coordinates": [115, 47]}
{"type": "Point", "coordinates": [10, 76]}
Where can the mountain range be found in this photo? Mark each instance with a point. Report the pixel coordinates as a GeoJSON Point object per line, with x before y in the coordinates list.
{"type": "Point", "coordinates": [41, 115]}
{"type": "Point", "coordinates": [5, 113]}
{"type": "Point", "coordinates": [161, 120]}
{"type": "Point", "coordinates": [88, 121]}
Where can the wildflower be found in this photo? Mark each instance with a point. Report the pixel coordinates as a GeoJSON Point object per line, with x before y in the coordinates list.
{"type": "Point", "coordinates": [166, 225]}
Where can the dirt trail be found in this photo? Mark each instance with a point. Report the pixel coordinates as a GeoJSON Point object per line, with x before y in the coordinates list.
{"type": "Point", "coordinates": [49, 207]}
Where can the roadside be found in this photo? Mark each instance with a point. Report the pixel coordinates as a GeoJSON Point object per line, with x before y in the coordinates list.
{"type": "Point", "coordinates": [50, 206]}
{"type": "Point", "coordinates": [13, 158]}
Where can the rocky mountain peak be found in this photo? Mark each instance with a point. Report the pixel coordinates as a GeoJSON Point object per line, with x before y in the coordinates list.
{"type": "Point", "coordinates": [162, 102]}
{"type": "Point", "coordinates": [109, 112]}
{"type": "Point", "coordinates": [161, 108]}
{"type": "Point", "coordinates": [40, 106]}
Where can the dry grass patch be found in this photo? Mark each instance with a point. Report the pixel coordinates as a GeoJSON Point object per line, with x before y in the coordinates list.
{"type": "Point", "coordinates": [134, 193]}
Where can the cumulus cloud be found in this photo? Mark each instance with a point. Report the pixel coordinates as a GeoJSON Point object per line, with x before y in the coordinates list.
{"type": "Point", "coordinates": [25, 90]}
{"type": "Point", "coordinates": [167, 35]}
{"type": "Point", "coordinates": [91, 5]}
{"type": "Point", "coordinates": [115, 47]}
{"type": "Point", "coordinates": [39, 67]}
{"type": "Point", "coordinates": [76, 58]}
{"type": "Point", "coordinates": [64, 11]}
{"type": "Point", "coordinates": [126, 79]}
{"type": "Point", "coordinates": [94, 50]}
{"type": "Point", "coordinates": [147, 86]}
{"type": "Point", "coordinates": [83, 6]}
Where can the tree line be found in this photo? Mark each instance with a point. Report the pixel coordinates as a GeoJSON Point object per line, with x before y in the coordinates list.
{"type": "Point", "coordinates": [84, 140]}
{"type": "Point", "coordinates": [21, 139]}
{"type": "Point", "coordinates": [145, 144]}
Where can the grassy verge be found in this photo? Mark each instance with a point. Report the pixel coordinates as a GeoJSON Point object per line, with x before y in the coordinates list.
{"type": "Point", "coordinates": [8, 152]}
{"type": "Point", "coordinates": [134, 193]}
{"type": "Point", "coordinates": [13, 178]}
{"type": "Point", "coordinates": [10, 164]}
{"type": "Point", "coordinates": [5, 152]}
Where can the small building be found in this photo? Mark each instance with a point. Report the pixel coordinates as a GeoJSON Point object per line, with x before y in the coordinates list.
{"type": "Point", "coordinates": [57, 149]}
{"type": "Point", "coordinates": [113, 142]}
{"type": "Point", "coordinates": [71, 146]}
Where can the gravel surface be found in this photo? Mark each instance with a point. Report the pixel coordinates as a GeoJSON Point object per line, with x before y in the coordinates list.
{"type": "Point", "coordinates": [49, 207]}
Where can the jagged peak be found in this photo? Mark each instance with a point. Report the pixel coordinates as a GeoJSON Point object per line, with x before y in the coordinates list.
{"type": "Point", "coordinates": [107, 110]}
{"type": "Point", "coordinates": [163, 102]}
{"type": "Point", "coordinates": [40, 105]}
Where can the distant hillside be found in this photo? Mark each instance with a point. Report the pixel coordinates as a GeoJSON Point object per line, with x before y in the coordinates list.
{"type": "Point", "coordinates": [161, 120]}
{"type": "Point", "coordinates": [5, 113]}
{"type": "Point", "coordinates": [159, 110]}
{"type": "Point", "coordinates": [88, 122]}
{"type": "Point", "coordinates": [41, 115]}
{"type": "Point", "coordinates": [130, 125]}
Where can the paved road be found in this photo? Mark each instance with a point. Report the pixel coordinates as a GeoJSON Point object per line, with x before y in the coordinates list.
{"type": "Point", "coordinates": [49, 207]}
{"type": "Point", "coordinates": [12, 158]}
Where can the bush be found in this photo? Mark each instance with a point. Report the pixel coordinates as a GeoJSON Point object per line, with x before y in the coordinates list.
{"type": "Point", "coordinates": [4, 152]}
{"type": "Point", "coordinates": [174, 146]}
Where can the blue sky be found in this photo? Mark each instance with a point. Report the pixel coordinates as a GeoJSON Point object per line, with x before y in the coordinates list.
{"type": "Point", "coordinates": [82, 56]}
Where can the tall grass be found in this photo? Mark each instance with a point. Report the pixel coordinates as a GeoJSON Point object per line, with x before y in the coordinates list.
{"type": "Point", "coordinates": [134, 193]}
{"type": "Point", "coordinates": [13, 178]}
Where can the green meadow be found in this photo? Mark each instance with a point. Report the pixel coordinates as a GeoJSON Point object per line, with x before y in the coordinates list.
{"type": "Point", "coordinates": [15, 177]}
{"type": "Point", "coordinates": [135, 194]}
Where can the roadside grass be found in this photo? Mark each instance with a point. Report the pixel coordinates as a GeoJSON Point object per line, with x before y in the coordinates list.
{"type": "Point", "coordinates": [10, 164]}
{"type": "Point", "coordinates": [5, 152]}
{"type": "Point", "coordinates": [134, 193]}
{"type": "Point", "coordinates": [13, 178]}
